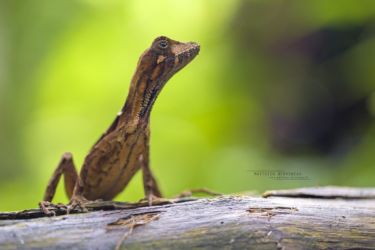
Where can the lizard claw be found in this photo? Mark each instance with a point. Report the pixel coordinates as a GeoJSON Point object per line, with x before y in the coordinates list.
{"type": "Point", "coordinates": [151, 198]}
{"type": "Point", "coordinates": [190, 192]}
{"type": "Point", "coordinates": [45, 206]}
{"type": "Point", "coordinates": [155, 200]}
{"type": "Point", "coordinates": [77, 203]}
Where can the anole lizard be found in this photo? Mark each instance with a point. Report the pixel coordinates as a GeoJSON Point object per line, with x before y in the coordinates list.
{"type": "Point", "coordinates": [124, 148]}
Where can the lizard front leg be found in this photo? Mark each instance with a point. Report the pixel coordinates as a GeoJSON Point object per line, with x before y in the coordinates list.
{"type": "Point", "coordinates": [77, 199]}
{"type": "Point", "coordinates": [151, 189]}
{"type": "Point", "coordinates": [66, 167]}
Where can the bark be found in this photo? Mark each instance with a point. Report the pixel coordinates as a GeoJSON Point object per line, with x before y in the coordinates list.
{"type": "Point", "coordinates": [310, 218]}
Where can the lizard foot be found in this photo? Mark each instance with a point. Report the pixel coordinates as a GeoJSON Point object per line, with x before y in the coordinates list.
{"type": "Point", "coordinates": [77, 204]}
{"type": "Point", "coordinates": [189, 193]}
{"type": "Point", "coordinates": [155, 200]}
{"type": "Point", "coordinates": [50, 209]}
{"type": "Point", "coordinates": [47, 207]}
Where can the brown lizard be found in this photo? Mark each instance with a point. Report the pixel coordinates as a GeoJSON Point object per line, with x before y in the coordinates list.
{"type": "Point", "coordinates": [124, 148]}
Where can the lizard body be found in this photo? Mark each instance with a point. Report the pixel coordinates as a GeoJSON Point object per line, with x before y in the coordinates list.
{"type": "Point", "coordinates": [124, 148]}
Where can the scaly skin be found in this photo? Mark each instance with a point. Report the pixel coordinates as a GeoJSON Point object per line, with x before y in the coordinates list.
{"type": "Point", "coordinates": [124, 148]}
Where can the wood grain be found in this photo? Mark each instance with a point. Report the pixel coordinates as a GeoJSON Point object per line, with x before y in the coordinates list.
{"type": "Point", "coordinates": [230, 222]}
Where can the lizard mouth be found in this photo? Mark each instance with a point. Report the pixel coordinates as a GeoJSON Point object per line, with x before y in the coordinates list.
{"type": "Point", "coordinates": [190, 49]}
{"type": "Point", "coordinates": [186, 54]}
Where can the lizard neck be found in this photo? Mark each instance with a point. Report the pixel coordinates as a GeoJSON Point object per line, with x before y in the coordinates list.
{"type": "Point", "coordinates": [141, 97]}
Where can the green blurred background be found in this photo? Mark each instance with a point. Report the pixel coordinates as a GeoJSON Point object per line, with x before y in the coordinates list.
{"type": "Point", "coordinates": [278, 85]}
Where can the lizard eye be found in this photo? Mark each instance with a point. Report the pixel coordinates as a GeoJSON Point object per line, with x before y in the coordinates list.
{"type": "Point", "coordinates": [163, 44]}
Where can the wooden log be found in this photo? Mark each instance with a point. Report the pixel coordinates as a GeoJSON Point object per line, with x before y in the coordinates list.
{"type": "Point", "coordinates": [310, 218]}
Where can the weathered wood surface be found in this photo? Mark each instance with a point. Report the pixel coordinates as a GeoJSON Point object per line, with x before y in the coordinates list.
{"type": "Point", "coordinates": [230, 222]}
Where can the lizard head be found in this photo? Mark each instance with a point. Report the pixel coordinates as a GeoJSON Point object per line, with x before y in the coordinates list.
{"type": "Point", "coordinates": [173, 55]}
{"type": "Point", "coordinates": [156, 66]}
{"type": "Point", "coordinates": [165, 57]}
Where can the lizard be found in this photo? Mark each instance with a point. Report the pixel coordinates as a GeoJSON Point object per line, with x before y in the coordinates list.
{"type": "Point", "coordinates": [124, 148]}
